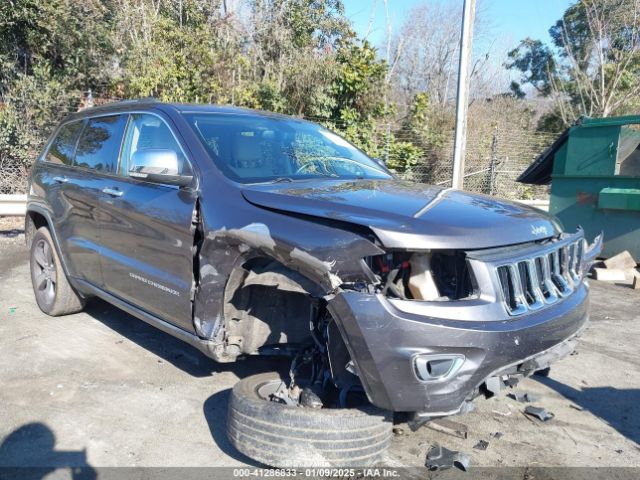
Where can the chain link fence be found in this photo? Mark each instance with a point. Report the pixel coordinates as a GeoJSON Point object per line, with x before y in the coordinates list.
{"type": "Point", "coordinates": [494, 158]}
{"type": "Point", "coordinates": [492, 165]}
{"type": "Point", "coordinates": [13, 176]}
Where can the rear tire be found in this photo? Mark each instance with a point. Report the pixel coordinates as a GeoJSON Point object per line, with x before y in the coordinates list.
{"type": "Point", "coordinates": [53, 293]}
{"type": "Point", "coordinates": [286, 436]}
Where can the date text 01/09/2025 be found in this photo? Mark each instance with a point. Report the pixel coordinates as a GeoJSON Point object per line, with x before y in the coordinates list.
{"type": "Point", "coordinates": [317, 472]}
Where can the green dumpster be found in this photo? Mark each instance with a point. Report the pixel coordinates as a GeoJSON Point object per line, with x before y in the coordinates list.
{"type": "Point", "coordinates": [594, 171]}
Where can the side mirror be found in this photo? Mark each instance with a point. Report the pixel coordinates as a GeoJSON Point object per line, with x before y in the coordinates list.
{"type": "Point", "coordinates": [158, 165]}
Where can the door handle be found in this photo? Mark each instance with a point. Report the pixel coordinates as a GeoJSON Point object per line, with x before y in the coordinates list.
{"type": "Point", "coordinates": [60, 179]}
{"type": "Point", "coordinates": [113, 192]}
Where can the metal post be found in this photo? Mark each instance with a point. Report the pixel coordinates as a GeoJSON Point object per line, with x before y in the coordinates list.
{"type": "Point", "coordinates": [493, 175]}
{"type": "Point", "coordinates": [462, 101]}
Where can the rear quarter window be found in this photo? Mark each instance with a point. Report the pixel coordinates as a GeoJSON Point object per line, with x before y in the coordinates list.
{"type": "Point", "coordinates": [61, 149]}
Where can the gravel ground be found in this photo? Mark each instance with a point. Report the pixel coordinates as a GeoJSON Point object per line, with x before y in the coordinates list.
{"type": "Point", "coordinates": [102, 388]}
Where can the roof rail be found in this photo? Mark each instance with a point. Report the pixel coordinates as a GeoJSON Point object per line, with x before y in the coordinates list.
{"type": "Point", "coordinates": [137, 100]}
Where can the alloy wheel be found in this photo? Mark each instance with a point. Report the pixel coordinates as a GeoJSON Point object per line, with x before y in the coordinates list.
{"type": "Point", "coordinates": [45, 276]}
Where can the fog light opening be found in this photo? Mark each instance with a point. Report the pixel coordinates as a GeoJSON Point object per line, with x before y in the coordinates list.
{"type": "Point", "coordinates": [431, 368]}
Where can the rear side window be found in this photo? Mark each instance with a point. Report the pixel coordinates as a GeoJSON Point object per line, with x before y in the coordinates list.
{"type": "Point", "coordinates": [61, 149]}
{"type": "Point", "coordinates": [99, 144]}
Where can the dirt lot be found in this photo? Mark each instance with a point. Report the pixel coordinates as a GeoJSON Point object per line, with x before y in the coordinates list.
{"type": "Point", "coordinates": [101, 388]}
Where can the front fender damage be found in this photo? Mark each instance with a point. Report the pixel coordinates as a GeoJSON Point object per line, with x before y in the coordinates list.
{"type": "Point", "coordinates": [228, 260]}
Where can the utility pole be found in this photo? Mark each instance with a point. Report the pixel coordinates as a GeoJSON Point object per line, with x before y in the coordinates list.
{"type": "Point", "coordinates": [462, 99]}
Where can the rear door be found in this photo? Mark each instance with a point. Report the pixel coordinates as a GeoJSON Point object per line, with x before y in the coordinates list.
{"type": "Point", "coordinates": [146, 230]}
{"type": "Point", "coordinates": [68, 194]}
{"type": "Point", "coordinates": [52, 177]}
{"type": "Point", "coordinates": [95, 159]}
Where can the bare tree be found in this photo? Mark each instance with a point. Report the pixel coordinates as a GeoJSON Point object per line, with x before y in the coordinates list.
{"type": "Point", "coordinates": [604, 68]}
{"type": "Point", "coordinates": [423, 55]}
{"type": "Point", "coordinates": [592, 67]}
{"type": "Point", "coordinates": [426, 47]}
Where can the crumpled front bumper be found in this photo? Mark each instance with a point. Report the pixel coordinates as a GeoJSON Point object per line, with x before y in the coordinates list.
{"type": "Point", "coordinates": [383, 340]}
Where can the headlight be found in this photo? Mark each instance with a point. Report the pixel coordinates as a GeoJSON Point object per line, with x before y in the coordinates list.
{"type": "Point", "coordinates": [428, 275]}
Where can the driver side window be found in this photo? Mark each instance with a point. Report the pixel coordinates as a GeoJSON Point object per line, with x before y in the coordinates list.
{"type": "Point", "coordinates": [146, 131]}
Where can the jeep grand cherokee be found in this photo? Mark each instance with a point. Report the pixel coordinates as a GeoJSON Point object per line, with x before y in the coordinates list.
{"type": "Point", "coordinates": [247, 233]}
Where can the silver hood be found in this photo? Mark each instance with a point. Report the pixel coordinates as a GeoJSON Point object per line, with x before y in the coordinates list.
{"type": "Point", "coordinates": [410, 215]}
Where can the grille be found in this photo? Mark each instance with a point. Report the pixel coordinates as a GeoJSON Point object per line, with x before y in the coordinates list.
{"type": "Point", "coordinates": [531, 283]}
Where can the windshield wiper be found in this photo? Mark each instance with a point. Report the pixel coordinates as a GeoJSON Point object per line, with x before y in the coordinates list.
{"type": "Point", "coordinates": [281, 180]}
{"type": "Point", "coordinates": [275, 180]}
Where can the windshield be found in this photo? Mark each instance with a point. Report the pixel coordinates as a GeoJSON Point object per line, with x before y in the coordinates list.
{"type": "Point", "coordinates": [252, 149]}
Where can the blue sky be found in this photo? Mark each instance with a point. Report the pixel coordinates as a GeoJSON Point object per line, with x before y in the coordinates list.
{"type": "Point", "coordinates": [512, 20]}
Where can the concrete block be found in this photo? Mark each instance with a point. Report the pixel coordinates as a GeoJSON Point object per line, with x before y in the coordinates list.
{"type": "Point", "coordinates": [609, 274]}
{"type": "Point", "coordinates": [622, 261]}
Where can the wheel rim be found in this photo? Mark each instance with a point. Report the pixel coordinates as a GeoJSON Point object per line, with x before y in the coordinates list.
{"type": "Point", "coordinates": [266, 390]}
{"type": "Point", "coordinates": [44, 272]}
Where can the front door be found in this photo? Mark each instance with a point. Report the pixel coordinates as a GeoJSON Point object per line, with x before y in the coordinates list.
{"type": "Point", "coordinates": [146, 234]}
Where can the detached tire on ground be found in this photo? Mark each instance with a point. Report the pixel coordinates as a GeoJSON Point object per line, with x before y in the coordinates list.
{"type": "Point", "coordinates": [281, 435]}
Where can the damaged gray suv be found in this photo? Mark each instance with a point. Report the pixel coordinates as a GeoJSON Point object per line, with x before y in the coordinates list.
{"type": "Point", "coordinates": [250, 233]}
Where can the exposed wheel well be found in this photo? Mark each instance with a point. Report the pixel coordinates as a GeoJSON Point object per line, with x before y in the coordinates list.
{"type": "Point", "coordinates": [273, 309]}
{"type": "Point", "coordinates": [268, 304]}
{"type": "Point", "coordinates": [33, 221]}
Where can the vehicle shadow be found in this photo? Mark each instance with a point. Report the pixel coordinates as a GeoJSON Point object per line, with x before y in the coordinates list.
{"type": "Point", "coordinates": [215, 412]}
{"type": "Point", "coordinates": [620, 408]}
{"type": "Point", "coordinates": [170, 349]}
{"type": "Point", "coordinates": [28, 452]}
{"type": "Point", "coordinates": [11, 233]}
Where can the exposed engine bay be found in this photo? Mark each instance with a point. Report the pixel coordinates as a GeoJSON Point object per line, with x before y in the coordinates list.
{"type": "Point", "coordinates": [429, 276]}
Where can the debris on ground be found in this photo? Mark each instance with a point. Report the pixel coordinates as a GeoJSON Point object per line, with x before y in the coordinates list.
{"type": "Point", "coordinates": [609, 274]}
{"type": "Point", "coordinates": [481, 445]}
{"type": "Point", "coordinates": [444, 425]}
{"type": "Point", "coordinates": [511, 381]}
{"type": "Point", "coordinates": [539, 412]}
{"type": "Point", "coordinates": [440, 458]}
{"type": "Point", "coordinates": [619, 268]}
{"type": "Point", "coordinates": [398, 431]}
{"type": "Point", "coordinates": [496, 435]}
{"type": "Point", "coordinates": [496, 384]}
{"type": "Point", "coordinates": [576, 407]}
{"type": "Point", "coordinates": [621, 261]}
{"type": "Point", "coordinates": [524, 397]}
{"type": "Point", "coordinates": [502, 414]}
